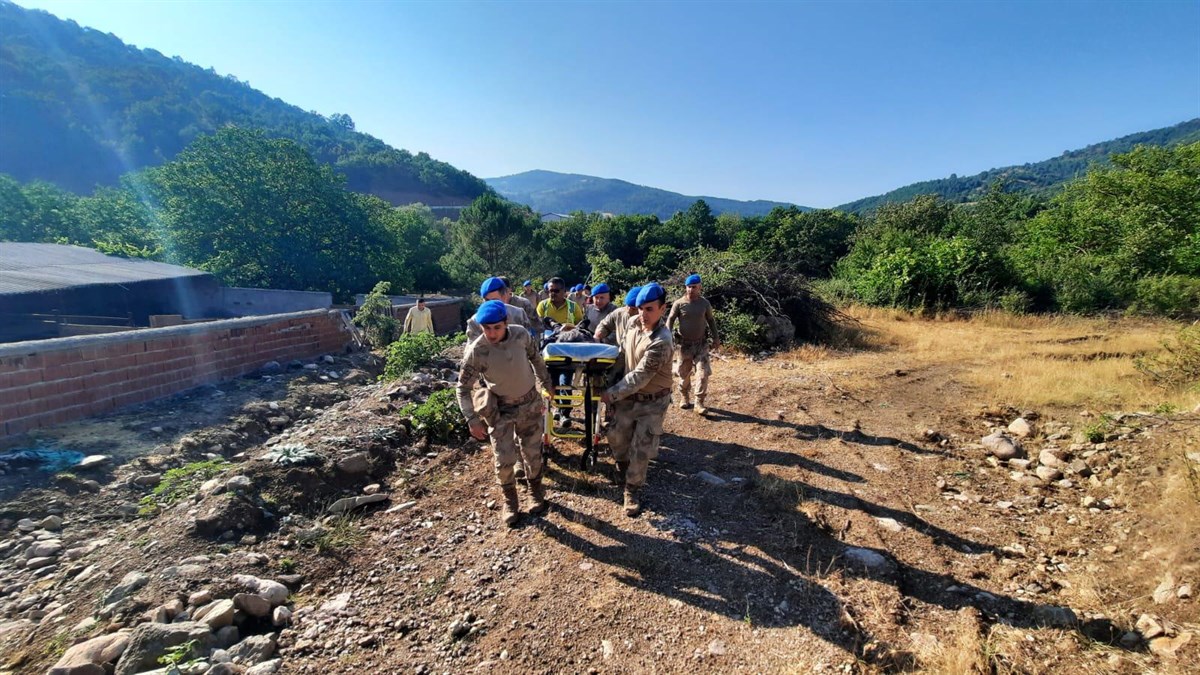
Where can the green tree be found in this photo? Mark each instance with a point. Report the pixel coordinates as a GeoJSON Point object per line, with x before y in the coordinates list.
{"type": "Point", "coordinates": [492, 236]}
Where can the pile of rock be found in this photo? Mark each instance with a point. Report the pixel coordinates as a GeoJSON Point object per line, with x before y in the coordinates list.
{"type": "Point", "coordinates": [210, 634]}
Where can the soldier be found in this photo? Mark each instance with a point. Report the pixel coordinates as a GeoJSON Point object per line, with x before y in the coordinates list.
{"type": "Point", "coordinates": [695, 316]}
{"type": "Point", "coordinates": [599, 307]}
{"type": "Point", "coordinates": [508, 363]}
{"type": "Point", "coordinates": [509, 298]}
{"type": "Point", "coordinates": [494, 289]}
{"type": "Point", "coordinates": [528, 292]}
{"type": "Point", "coordinates": [640, 400]}
{"type": "Point", "coordinates": [611, 329]}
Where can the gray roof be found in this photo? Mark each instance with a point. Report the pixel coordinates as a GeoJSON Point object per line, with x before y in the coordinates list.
{"type": "Point", "coordinates": [35, 268]}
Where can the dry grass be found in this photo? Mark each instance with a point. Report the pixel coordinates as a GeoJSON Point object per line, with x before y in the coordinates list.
{"type": "Point", "coordinates": [961, 651]}
{"type": "Point", "coordinates": [1023, 361]}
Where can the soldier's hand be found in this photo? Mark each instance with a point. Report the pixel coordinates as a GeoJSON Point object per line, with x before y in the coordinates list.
{"type": "Point", "coordinates": [478, 432]}
{"type": "Point", "coordinates": [716, 344]}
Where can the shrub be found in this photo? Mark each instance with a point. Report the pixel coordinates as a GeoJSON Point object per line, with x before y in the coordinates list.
{"type": "Point", "coordinates": [1171, 295]}
{"type": "Point", "coordinates": [184, 481]}
{"type": "Point", "coordinates": [1178, 365]}
{"type": "Point", "coordinates": [1016, 302]}
{"type": "Point", "coordinates": [415, 350]}
{"type": "Point", "coordinates": [375, 316]}
{"type": "Point", "coordinates": [839, 292]}
{"type": "Point", "coordinates": [438, 418]}
{"type": "Point", "coordinates": [739, 330]}
{"type": "Point", "coordinates": [292, 454]}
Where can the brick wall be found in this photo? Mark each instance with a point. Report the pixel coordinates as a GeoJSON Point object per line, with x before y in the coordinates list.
{"type": "Point", "coordinates": [446, 314]}
{"type": "Point", "coordinates": [46, 382]}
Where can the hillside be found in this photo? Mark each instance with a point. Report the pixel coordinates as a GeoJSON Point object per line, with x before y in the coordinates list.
{"type": "Point", "coordinates": [82, 108]}
{"type": "Point", "coordinates": [1037, 176]}
{"type": "Point", "coordinates": [553, 192]}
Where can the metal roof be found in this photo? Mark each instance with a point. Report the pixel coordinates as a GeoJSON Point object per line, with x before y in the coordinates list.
{"type": "Point", "coordinates": [36, 268]}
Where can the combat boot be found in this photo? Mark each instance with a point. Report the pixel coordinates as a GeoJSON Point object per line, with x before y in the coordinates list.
{"type": "Point", "coordinates": [537, 497]}
{"type": "Point", "coordinates": [511, 510]}
{"type": "Point", "coordinates": [685, 403]}
{"type": "Point", "coordinates": [633, 501]}
{"type": "Point", "coordinates": [700, 409]}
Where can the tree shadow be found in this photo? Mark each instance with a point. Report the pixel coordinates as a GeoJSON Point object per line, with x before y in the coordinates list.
{"type": "Point", "coordinates": [814, 432]}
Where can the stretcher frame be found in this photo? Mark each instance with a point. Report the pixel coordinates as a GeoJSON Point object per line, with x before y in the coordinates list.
{"type": "Point", "coordinates": [592, 368]}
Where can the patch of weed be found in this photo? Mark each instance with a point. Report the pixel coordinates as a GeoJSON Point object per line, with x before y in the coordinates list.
{"type": "Point", "coordinates": [339, 533]}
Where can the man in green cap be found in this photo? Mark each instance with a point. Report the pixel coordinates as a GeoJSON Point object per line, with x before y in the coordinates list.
{"type": "Point", "coordinates": [697, 325]}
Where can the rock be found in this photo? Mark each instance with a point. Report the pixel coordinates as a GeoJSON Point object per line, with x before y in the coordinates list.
{"type": "Point", "coordinates": [253, 650]}
{"type": "Point", "coordinates": [42, 549]}
{"type": "Point", "coordinates": [457, 629]}
{"type": "Point", "coordinates": [275, 592]}
{"type": "Point", "coordinates": [1054, 616]}
{"type": "Point", "coordinates": [224, 668]}
{"type": "Point", "coordinates": [1184, 591]}
{"type": "Point", "coordinates": [1002, 446]}
{"type": "Point", "coordinates": [1021, 464]}
{"type": "Point", "coordinates": [1047, 474]}
{"type": "Point", "coordinates": [1167, 646]}
{"type": "Point", "coordinates": [371, 489]}
{"type": "Point", "coordinates": [254, 605]}
{"type": "Point", "coordinates": [239, 484]}
{"type": "Point", "coordinates": [1080, 467]}
{"type": "Point", "coordinates": [355, 464]}
{"type": "Point", "coordinates": [148, 479]}
{"type": "Point", "coordinates": [92, 461]}
{"type": "Point", "coordinates": [282, 616]}
{"type": "Point", "coordinates": [88, 658]}
{"type": "Point", "coordinates": [266, 667]}
{"type": "Point", "coordinates": [270, 368]}
{"type": "Point", "coordinates": [889, 524]}
{"type": "Point", "coordinates": [404, 507]}
{"type": "Point", "coordinates": [711, 479]}
{"type": "Point", "coordinates": [1020, 428]}
{"type": "Point", "coordinates": [228, 636]}
{"type": "Point", "coordinates": [51, 523]}
{"type": "Point", "coordinates": [200, 598]}
{"type": "Point", "coordinates": [1149, 627]}
{"type": "Point", "coordinates": [38, 563]}
{"type": "Point", "coordinates": [222, 513]}
{"type": "Point", "coordinates": [129, 585]}
{"type": "Point", "coordinates": [1051, 459]}
{"type": "Point", "coordinates": [1166, 590]}
{"type": "Point", "coordinates": [350, 503]}
{"type": "Point", "coordinates": [337, 605]}
{"type": "Point", "coordinates": [871, 561]}
{"type": "Point", "coordinates": [149, 641]}
{"type": "Point", "coordinates": [216, 614]}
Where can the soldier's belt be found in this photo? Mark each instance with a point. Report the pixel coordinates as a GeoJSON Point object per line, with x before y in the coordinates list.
{"type": "Point", "coordinates": [642, 398]}
{"type": "Point", "coordinates": [530, 396]}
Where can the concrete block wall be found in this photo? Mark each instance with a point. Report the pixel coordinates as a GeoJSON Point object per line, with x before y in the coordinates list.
{"type": "Point", "coordinates": [447, 315]}
{"type": "Point", "coordinates": [45, 382]}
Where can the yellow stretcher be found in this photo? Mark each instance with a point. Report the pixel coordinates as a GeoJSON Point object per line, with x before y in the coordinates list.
{"type": "Point", "coordinates": [591, 361]}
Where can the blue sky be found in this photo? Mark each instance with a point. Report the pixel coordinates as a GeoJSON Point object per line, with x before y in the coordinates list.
{"type": "Point", "coordinates": [816, 103]}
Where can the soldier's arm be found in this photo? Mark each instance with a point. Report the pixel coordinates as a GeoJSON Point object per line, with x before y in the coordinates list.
{"type": "Point", "coordinates": [467, 377]}
{"type": "Point", "coordinates": [539, 364]}
{"type": "Point", "coordinates": [605, 327]}
{"type": "Point", "coordinates": [673, 316]}
{"type": "Point", "coordinates": [711, 318]}
{"type": "Point", "coordinates": [474, 330]}
{"type": "Point", "coordinates": [656, 354]}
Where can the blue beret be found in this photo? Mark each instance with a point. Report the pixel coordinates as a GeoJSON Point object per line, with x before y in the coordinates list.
{"type": "Point", "coordinates": [492, 311]}
{"type": "Point", "coordinates": [491, 285]}
{"type": "Point", "coordinates": [694, 279]}
{"type": "Point", "coordinates": [600, 288]}
{"type": "Point", "coordinates": [527, 283]}
{"type": "Point", "coordinates": [577, 287]}
{"type": "Point", "coordinates": [649, 293]}
{"type": "Point", "coordinates": [631, 296]}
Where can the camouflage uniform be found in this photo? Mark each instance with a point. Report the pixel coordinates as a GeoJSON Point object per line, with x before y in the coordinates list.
{"type": "Point", "coordinates": [641, 400]}
{"type": "Point", "coordinates": [508, 370]}
{"type": "Point", "coordinates": [696, 324]}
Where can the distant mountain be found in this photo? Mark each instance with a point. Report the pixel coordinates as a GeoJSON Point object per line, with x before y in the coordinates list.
{"type": "Point", "coordinates": [79, 108]}
{"type": "Point", "coordinates": [552, 192]}
{"type": "Point", "coordinates": [1038, 176]}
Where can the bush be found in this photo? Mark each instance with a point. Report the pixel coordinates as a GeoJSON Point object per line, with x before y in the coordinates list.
{"type": "Point", "coordinates": [1171, 295]}
{"type": "Point", "coordinates": [740, 331]}
{"type": "Point", "coordinates": [415, 350]}
{"type": "Point", "coordinates": [375, 316]}
{"type": "Point", "coordinates": [1178, 366]}
{"type": "Point", "coordinates": [1016, 302]}
{"type": "Point", "coordinates": [180, 483]}
{"type": "Point", "coordinates": [439, 418]}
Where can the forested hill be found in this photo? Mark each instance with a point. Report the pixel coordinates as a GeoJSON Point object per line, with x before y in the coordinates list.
{"type": "Point", "coordinates": [552, 192]}
{"type": "Point", "coordinates": [81, 108]}
{"type": "Point", "coordinates": [1032, 177]}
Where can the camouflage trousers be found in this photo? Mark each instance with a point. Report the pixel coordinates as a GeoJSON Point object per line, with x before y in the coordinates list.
{"type": "Point", "coordinates": [634, 433]}
{"type": "Point", "coordinates": [692, 357]}
{"type": "Point", "coordinates": [517, 437]}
